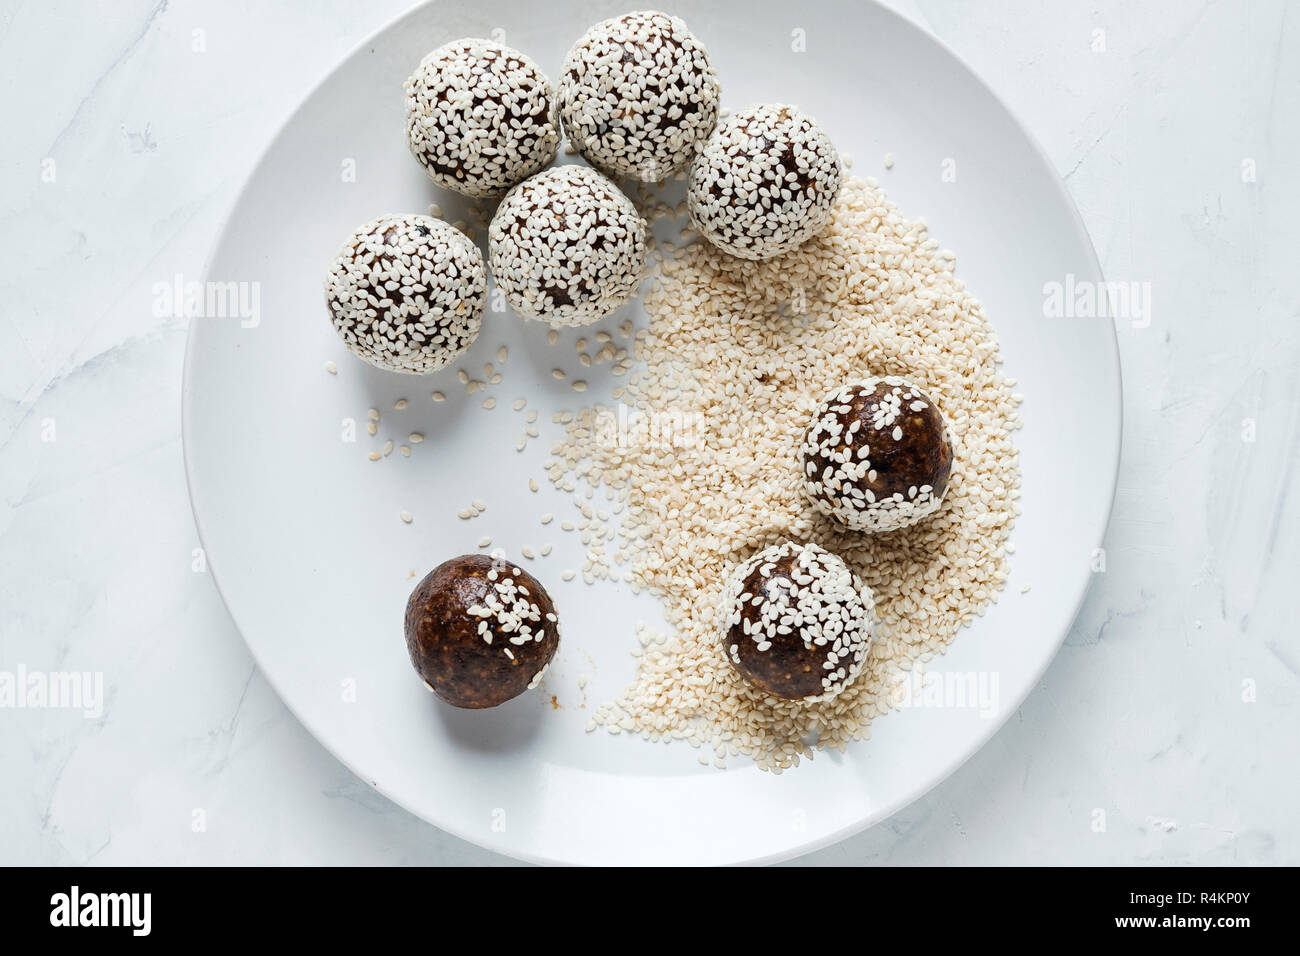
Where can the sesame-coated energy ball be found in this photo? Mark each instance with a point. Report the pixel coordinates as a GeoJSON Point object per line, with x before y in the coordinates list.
{"type": "Point", "coordinates": [796, 622]}
{"type": "Point", "coordinates": [638, 96]}
{"type": "Point", "coordinates": [765, 182]}
{"type": "Point", "coordinates": [480, 630]}
{"type": "Point", "coordinates": [480, 117]}
{"type": "Point", "coordinates": [877, 455]}
{"type": "Point", "coordinates": [567, 246]}
{"type": "Point", "coordinates": [407, 293]}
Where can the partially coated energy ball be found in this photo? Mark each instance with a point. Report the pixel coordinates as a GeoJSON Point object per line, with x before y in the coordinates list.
{"type": "Point", "coordinates": [765, 183]}
{"type": "Point", "coordinates": [877, 455]}
{"type": "Point", "coordinates": [638, 96]}
{"type": "Point", "coordinates": [480, 630]}
{"type": "Point", "coordinates": [796, 622]}
{"type": "Point", "coordinates": [480, 117]}
{"type": "Point", "coordinates": [567, 246]}
{"type": "Point", "coordinates": [407, 293]}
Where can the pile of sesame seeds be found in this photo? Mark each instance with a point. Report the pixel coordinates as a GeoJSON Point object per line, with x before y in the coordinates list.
{"type": "Point", "coordinates": [407, 293]}
{"type": "Point", "coordinates": [825, 607]}
{"type": "Point", "coordinates": [765, 182]}
{"type": "Point", "coordinates": [480, 117]}
{"type": "Point", "coordinates": [568, 246]}
{"type": "Point", "coordinates": [743, 352]}
{"type": "Point", "coordinates": [638, 95]}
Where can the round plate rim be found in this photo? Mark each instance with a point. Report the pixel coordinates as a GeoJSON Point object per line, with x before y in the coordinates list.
{"type": "Point", "coordinates": [1112, 453]}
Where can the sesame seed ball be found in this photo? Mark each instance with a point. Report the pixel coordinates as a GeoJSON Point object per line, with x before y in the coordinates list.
{"type": "Point", "coordinates": [480, 117]}
{"type": "Point", "coordinates": [764, 183]}
{"type": "Point", "coordinates": [480, 630]}
{"type": "Point", "coordinates": [407, 293]}
{"type": "Point", "coordinates": [796, 622]}
{"type": "Point", "coordinates": [567, 246]}
{"type": "Point", "coordinates": [877, 455]}
{"type": "Point", "coordinates": [638, 96]}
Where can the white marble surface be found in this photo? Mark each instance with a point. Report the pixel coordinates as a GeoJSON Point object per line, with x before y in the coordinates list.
{"type": "Point", "coordinates": [1142, 714]}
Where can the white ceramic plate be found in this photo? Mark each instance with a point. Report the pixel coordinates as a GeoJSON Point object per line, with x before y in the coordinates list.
{"type": "Point", "coordinates": [302, 531]}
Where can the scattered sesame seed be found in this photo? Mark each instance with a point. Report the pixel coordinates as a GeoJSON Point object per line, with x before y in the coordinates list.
{"type": "Point", "coordinates": [489, 403]}
{"type": "Point", "coordinates": [579, 386]}
{"type": "Point", "coordinates": [568, 575]}
{"type": "Point", "coordinates": [485, 542]}
{"type": "Point", "coordinates": [557, 373]}
{"type": "Point", "coordinates": [406, 516]}
{"type": "Point", "coordinates": [399, 404]}
{"type": "Point", "coordinates": [415, 438]}
{"type": "Point", "coordinates": [331, 368]}
{"type": "Point", "coordinates": [438, 397]}
{"type": "Point", "coordinates": [374, 456]}
{"type": "Point", "coordinates": [372, 428]}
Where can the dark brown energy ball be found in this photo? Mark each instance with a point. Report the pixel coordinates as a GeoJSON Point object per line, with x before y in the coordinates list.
{"type": "Point", "coordinates": [480, 117]}
{"type": "Point", "coordinates": [480, 630]}
{"type": "Point", "coordinates": [877, 455]}
{"type": "Point", "coordinates": [796, 622]}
